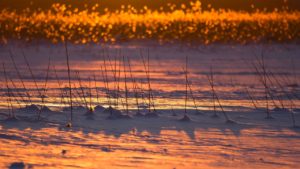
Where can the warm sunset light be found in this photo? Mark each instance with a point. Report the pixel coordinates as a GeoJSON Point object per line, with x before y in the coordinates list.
{"type": "Point", "coordinates": [150, 84]}
{"type": "Point", "coordinates": [189, 24]}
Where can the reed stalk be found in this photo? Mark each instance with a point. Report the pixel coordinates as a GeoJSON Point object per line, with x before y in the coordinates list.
{"type": "Point", "coordinates": [69, 78]}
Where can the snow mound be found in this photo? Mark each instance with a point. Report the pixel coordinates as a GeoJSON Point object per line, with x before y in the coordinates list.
{"type": "Point", "coordinates": [12, 118]}
{"type": "Point", "coordinates": [90, 111]}
{"type": "Point", "coordinates": [139, 114]}
{"type": "Point", "coordinates": [108, 110]}
{"type": "Point", "coordinates": [151, 115]}
{"type": "Point", "coordinates": [199, 112]}
{"type": "Point", "coordinates": [215, 115]}
{"type": "Point", "coordinates": [115, 114]}
{"type": "Point", "coordinates": [46, 109]}
{"type": "Point", "coordinates": [269, 118]}
{"type": "Point", "coordinates": [229, 121]}
{"type": "Point", "coordinates": [75, 108]}
{"type": "Point", "coordinates": [90, 114]}
{"type": "Point", "coordinates": [278, 109]}
{"type": "Point", "coordinates": [30, 108]}
{"type": "Point", "coordinates": [296, 110]}
{"type": "Point", "coordinates": [99, 108]}
{"type": "Point", "coordinates": [185, 118]}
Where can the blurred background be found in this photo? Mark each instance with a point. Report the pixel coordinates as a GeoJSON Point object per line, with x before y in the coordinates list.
{"type": "Point", "coordinates": [245, 5]}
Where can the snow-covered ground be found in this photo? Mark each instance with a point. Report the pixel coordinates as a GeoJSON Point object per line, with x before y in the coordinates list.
{"type": "Point", "coordinates": [95, 141]}
{"type": "Point", "coordinates": [232, 66]}
{"type": "Point", "coordinates": [163, 142]}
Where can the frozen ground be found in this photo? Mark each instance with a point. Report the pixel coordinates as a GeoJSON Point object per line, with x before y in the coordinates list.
{"type": "Point", "coordinates": [232, 66]}
{"type": "Point", "coordinates": [164, 142]}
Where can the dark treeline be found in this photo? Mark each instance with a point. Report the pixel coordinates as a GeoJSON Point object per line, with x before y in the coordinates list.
{"type": "Point", "coordinates": [245, 5]}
